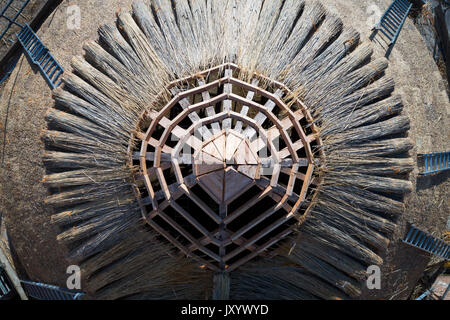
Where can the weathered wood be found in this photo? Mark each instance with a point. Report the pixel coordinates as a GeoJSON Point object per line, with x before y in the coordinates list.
{"type": "Point", "coordinates": [221, 289]}
{"type": "Point", "coordinates": [4, 262]}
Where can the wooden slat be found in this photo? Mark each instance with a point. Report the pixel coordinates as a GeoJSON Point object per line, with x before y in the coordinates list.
{"type": "Point", "coordinates": [177, 171]}
{"type": "Point", "coordinates": [275, 175]}
{"type": "Point", "coordinates": [272, 118]}
{"type": "Point", "coordinates": [185, 234]}
{"type": "Point", "coordinates": [292, 178]}
{"type": "Point", "coordinates": [251, 171]}
{"type": "Point", "coordinates": [163, 183]}
{"type": "Point", "coordinates": [305, 187]}
{"type": "Point", "coordinates": [222, 116]}
{"type": "Point", "coordinates": [286, 123]}
{"type": "Point", "coordinates": [205, 241]}
{"type": "Point", "coordinates": [175, 188]}
{"type": "Point", "coordinates": [296, 146]}
{"type": "Point", "coordinates": [210, 110]}
{"type": "Point", "coordinates": [240, 148]}
{"type": "Point", "coordinates": [257, 237]}
{"type": "Point", "coordinates": [244, 155]}
{"type": "Point", "coordinates": [221, 145]}
{"type": "Point", "coordinates": [245, 109]}
{"type": "Point", "coordinates": [282, 106]}
{"type": "Point", "coordinates": [194, 222]}
{"type": "Point", "coordinates": [260, 117]}
{"type": "Point", "coordinates": [227, 104]}
{"type": "Point", "coordinates": [279, 190]}
{"type": "Point", "coordinates": [232, 144]}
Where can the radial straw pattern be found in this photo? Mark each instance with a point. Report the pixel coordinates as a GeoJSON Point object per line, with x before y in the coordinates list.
{"type": "Point", "coordinates": [135, 207]}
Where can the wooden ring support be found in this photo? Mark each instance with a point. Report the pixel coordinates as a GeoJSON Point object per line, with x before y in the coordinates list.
{"type": "Point", "coordinates": [226, 166]}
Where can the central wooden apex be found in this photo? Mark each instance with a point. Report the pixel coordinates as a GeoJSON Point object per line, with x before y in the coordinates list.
{"type": "Point", "coordinates": [226, 166]}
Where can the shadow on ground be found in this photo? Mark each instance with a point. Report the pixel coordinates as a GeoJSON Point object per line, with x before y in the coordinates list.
{"type": "Point", "coordinates": [432, 180]}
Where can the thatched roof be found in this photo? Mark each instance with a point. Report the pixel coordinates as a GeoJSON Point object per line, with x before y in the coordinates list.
{"type": "Point", "coordinates": [364, 178]}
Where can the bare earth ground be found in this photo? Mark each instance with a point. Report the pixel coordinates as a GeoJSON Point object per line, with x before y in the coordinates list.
{"type": "Point", "coordinates": [26, 97]}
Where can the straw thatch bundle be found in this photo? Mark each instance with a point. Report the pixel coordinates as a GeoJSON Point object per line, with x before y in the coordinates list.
{"type": "Point", "coordinates": [362, 180]}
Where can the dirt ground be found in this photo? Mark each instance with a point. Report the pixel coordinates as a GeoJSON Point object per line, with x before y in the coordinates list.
{"type": "Point", "coordinates": [26, 97]}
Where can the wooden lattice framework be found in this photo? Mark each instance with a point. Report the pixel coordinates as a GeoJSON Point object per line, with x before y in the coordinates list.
{"type": "Point", "coordinates": [226, 166]}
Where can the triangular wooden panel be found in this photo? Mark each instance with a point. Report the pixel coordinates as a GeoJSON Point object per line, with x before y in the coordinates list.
{"type": "Point", "coordinates": [250, 171]}
{"type": "Point", "coordinates": [213, 184]}
{"type": "Point", "coordinates": [233, 143]}
{"type": "Point", "coordinates": [220, 143]}
{"type": "Point", "coordinates": [235, 184]}
{"type": "Point", "coordinates": [244, 155]}
{"type": "Point", "coordinates": [205, 163]}
{"type": "Point", "coordinates": [213, 151]}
